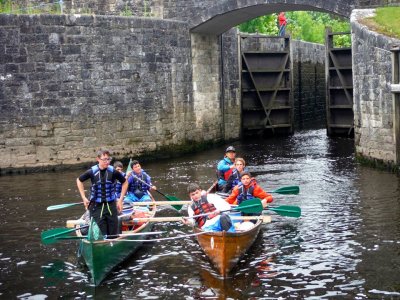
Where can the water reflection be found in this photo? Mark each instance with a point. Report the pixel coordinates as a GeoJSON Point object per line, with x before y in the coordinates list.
{"type": "Point", "coordinates": [345, 245]}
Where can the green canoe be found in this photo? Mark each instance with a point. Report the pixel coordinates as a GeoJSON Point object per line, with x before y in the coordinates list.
{"type": "Point", "coordinates": [102, 255]}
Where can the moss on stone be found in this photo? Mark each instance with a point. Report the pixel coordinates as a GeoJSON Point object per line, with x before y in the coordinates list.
{"type": "Point", "coordinates": [378, 164]}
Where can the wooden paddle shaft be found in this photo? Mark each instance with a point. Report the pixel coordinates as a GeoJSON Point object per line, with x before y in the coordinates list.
{"type": "Point", "coordinates": [264, 218]}
{"type": "Point", "coordinates": [161, 203]}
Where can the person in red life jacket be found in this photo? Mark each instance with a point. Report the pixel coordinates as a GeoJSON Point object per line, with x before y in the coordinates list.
{"type": "Point", "coordinates": [225, 167]}
{"type": "Point", "coordinates": [282, 23]}
{"type": "Point", "coordinates": [103, 206]}
{"type": "Point", "coordinates": [214, 221]}
{"type": "Point", "coordinates": [234, 179]}
{"type": "Point", "coordinates": [248, 189]}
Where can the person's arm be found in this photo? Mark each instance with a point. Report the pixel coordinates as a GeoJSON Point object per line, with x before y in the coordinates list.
{"type": "Point", "coordinates": [148, 180]}
{"type": "Point", "coordinates": [81, 188]}
{"type": "Point", "coordinates": [120, 202]}
{"type": "Point", "coordinates": [189, 221]}
{"type": "Point", "coordinates": [264, 196]}
{"type": "Point", "coordinates": [233, 196]}
{"type": "Point", "coordinates": [223, 166]}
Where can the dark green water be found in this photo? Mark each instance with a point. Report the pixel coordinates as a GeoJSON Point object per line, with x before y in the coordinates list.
{"type": "Point", "coordinates": [346, 245]}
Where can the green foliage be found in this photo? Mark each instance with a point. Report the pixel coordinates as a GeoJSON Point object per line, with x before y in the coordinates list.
{"type": "Point", "coordinates": [264, 25]}
{"type": "Point", "coordinates": [127, 12]}
{"type": "Point", "coordinates": [302, 25]}
{"type": "Point", "coordinates": [388, 21]}
{"type": "Point", "coordinates": [8, 7]}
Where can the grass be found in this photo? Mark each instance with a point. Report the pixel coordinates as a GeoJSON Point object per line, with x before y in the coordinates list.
{"type": "Point", "coordinates": [386, 21]}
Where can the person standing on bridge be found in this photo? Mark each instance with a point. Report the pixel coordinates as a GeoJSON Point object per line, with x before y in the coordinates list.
{"type": "Point", "coordinates": [282, 21]}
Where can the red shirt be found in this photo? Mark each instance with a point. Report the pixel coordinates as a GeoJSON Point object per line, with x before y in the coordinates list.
{"type": "Point", "coordinates": [282, 19]}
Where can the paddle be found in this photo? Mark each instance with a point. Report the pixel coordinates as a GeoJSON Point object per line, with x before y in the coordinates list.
{"type": "Point", "coordinates": [62, 238]}
{"type": "Point", "coordinates": [60, 206]}
{"type": "Point", "coordinates": [48, 236]}
{"type": "Point", "coordinates": [264, 218]}
{"type": "Point", "coordinates": [168, 197]}
{"type": "Point", "coordinates": [286, 210]}
{"type": "Point", "coordinates": [286, 190]}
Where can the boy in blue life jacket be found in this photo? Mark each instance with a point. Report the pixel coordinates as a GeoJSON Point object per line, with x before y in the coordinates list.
{"type": "Point", "coordinates": [139, 184]}
{"type": "Point", "coordinates": [118, 186]}
{"type": "Point", "coordinates": [103, 205]}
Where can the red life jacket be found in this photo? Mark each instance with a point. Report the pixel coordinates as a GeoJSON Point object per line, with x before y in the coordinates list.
{"type": "Point", "coordinates": [202, 207]}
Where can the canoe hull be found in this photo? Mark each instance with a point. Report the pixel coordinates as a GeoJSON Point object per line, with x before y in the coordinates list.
{"type": "Point", "coordinates": [102, 257]}
{"type": "Point", "coordinates": [224, 249]}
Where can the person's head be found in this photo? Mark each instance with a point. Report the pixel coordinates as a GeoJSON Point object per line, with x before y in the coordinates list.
{"type": "Point", "coordinates": [240, 164]}
{"type": "Point", "coordinates": [245, 178]}
{"type": "Point", "coordinates": [194, 191]}
{"type": "Point", "coordinates": [230, 152]}
{"type": "Point", "coordinates": [136, 167]}
{"type": "Point", "coordinates": [118, 166]}
{"type": "Point", "coordinates": [103, 158]}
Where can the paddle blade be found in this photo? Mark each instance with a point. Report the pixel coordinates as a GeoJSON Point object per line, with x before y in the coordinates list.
{"type": "Point", "coordinates": [50, 236]}
{"type": "Point", "coordinates": [287, 211]}
{"type": "Point", "coordinates": [173, 198]}
{"type": "Point", "coordinates": [286, 190]}
{"type": "Point", "coordinates": [250, 206]}
{"type": "Point", "coordinates": [60, 206]}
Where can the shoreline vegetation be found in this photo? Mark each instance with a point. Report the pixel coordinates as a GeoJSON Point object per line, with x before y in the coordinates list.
{"type": "Point", "coordinates": [386, 21]}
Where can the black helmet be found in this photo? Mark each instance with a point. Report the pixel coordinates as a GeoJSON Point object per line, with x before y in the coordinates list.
{"type": "Point", "coordinates": [230, 149]}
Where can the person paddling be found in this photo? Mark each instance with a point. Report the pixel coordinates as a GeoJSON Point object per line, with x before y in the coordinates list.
{"type": "Point", "coordinates": [248, 189]}
{"type": "Point", "coordinates": [215, 221]}
{"type": "Point", "coordinates": [139, 184]}
{"type": "Point", "coordinates": [225, 167]}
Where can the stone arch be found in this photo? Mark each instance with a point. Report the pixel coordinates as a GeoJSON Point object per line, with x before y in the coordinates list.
{"type": "Point", "coordinates": [216, 17]}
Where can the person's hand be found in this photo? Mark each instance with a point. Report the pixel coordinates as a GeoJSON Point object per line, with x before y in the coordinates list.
{"type": "Point", "coordinates": [264, 202]}
{"type": "Point", "coordinates": [86, 203]}
{"type": "Point", "coordinates": [232, 167]}
{"type": "Point", "coordinates": [214, 214]}
{"type": "Point", "coordinates": [127, 174]}
{"type": "Point", "coordinates": [119, 206]}
{"type": "Point", "coordinates": [153, 187]}
{"type": "Point", "coordinates": [186, 221]}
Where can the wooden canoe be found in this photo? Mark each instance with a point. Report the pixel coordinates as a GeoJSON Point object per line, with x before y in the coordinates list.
{"type": "Point", "coordinates": [102, 255]}
{"type": "Point", "coordinates": [224, 249]}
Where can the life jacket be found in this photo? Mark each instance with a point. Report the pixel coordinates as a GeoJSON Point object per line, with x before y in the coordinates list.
{"type": "Point", "coordinates": [236, 177]}
{"type": "Point", "coordinates": [202, 207]}
{"type": "Point", "coordinates": [225, 175]}
{"type": "Point", "coordinates": [245, 194]}
{"type": "Point", "coordinates": [118, 187]}
{"type": "Point", "coordinates": [139, 188]}
{"type": "Point", "coordinates": [103, 189]}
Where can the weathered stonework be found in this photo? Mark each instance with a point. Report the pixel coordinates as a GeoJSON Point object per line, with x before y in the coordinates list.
{"type": "Point", "coordinates": [308, 84]}
{"type": "Point", "coordinates": [373, 103]}
{"type": "Point", "coordinates": [71, 84]}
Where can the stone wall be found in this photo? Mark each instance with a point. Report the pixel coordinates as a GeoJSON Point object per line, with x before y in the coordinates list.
{"type": "Point", "coordinates": [373, 103]}
{"type": "Point", "coordinates": [71, 84]}
{"type": "Point", "coordinates": [309, 89]}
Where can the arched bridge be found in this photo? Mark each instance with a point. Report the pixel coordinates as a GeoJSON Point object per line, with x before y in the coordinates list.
{"type": "Point", "coordinates": [216, 17]}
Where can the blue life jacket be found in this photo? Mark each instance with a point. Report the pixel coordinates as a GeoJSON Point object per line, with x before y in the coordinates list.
{"type": "Point", "coordinates": [103, 189]}
{"type": "Point", "coordinates": [139, 188]}
{"type": "Point", "coordinates": [118, 187]}
{"type": "Point", "coordinates": [245, 194]}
